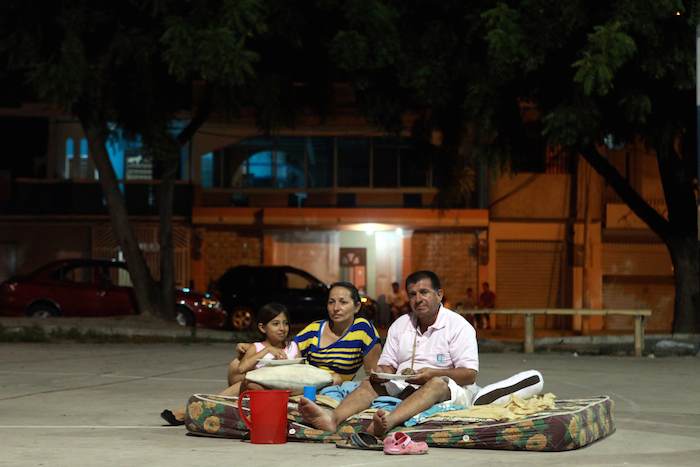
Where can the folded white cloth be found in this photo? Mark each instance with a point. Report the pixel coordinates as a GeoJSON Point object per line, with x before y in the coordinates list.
{"type": "Point", "coordinates": [524, 384]}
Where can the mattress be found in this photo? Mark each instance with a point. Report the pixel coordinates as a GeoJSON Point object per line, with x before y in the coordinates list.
{"type": "Point", "coordinates": [572, 424]}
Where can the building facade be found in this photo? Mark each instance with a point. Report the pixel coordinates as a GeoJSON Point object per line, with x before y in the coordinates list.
{"type": "Point", "coordinates": [344, 201]}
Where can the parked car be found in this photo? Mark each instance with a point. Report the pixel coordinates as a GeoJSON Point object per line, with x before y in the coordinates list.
{"type": "Point", "coordinates": [88, 287]}
{"type": "Point", "coordinates": [244, 289]}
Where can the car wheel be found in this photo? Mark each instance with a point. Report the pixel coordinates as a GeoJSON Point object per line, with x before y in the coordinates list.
{"type": "Point", "coordinates": [42, 311]}
{"type": "Point", "coordinates": [241, 319]}
{"type": "Point", "coordinates": [184, 317]}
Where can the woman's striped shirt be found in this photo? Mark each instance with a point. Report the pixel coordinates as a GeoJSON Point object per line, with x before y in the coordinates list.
{"type": "Point", "coordinates": [344, 356]}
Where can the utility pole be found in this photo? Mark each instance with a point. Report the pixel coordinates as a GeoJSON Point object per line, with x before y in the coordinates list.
{"type": "Point", "coordinates": [697, 121]}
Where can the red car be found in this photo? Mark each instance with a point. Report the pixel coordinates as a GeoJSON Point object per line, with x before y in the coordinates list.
{"type": "Point", "coordinates": [90, 287]}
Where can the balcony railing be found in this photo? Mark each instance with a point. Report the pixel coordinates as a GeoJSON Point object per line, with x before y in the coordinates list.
{"type": "Point", "coordinates": [69, 197]}
{"type": "Point", "coordinates": [328, 197]}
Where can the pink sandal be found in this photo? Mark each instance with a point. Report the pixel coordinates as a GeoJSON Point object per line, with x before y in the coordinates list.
{"type": "Point", "coordinates": [400, 443]}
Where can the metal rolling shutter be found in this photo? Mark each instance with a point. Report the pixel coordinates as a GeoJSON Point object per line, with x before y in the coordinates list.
{"type": "Point", "coordinates": [644, 259]}
{"type": "Point", "coordinates": [528, 275]}
{"type": "Point", "coordinates": [637, 293]}
{"type": "Point", "coordinates": [638, 275]}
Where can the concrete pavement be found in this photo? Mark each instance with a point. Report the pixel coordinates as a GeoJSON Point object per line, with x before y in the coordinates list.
{"type": "Point", "coordinates": [98, 405]}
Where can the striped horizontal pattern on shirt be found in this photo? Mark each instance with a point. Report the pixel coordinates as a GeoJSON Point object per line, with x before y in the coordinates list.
{"type": "Point", "coordinates": [345, 356]}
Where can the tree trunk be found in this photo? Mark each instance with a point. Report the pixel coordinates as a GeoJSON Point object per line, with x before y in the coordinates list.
{"type": "Point", "coordinates": [143, 283]}
{"type": "Point", "coordinates": [679, 233]}
{"type": "Point", "coordinates": [685, 254]}
{"type": "Point", "coordinates": [167, 267]}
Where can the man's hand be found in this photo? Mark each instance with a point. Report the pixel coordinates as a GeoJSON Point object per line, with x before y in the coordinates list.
{"type": "Point", "coordinates": [380, 369]}
{"type": "Point", "coordinates": [373, 378]}
{"type": "Point", "coordinates": [421, 377]}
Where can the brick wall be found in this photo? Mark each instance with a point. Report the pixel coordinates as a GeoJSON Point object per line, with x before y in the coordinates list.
{"type": "Point", "coordinates": [223, 249]}
{"type": "Point", "coordinates": [450, 256]}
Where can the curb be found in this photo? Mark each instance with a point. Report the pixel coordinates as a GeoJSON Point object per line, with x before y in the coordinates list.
{"type": "Point", "coordinates": [22, 325]}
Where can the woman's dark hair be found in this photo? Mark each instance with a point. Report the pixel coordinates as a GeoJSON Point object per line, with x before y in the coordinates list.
{"type": "Point", "coordinates": [354, 293]}
{"type": "Point", "coordinates": [269, 311]}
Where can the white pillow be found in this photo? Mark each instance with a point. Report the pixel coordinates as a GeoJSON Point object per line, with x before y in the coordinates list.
{"type": "Point", "coordinates": [293, 377]}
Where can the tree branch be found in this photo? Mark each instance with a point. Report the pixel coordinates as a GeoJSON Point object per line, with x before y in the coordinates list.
{"type": "Point", "coordinates": [629, 195]}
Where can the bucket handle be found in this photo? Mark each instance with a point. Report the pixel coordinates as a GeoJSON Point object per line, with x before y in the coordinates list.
{"type": "Point", "coordinates": [248, 422]}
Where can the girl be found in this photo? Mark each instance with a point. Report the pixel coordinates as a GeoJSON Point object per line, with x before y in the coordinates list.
{"type": "Point", "coordinates": [273, 323]}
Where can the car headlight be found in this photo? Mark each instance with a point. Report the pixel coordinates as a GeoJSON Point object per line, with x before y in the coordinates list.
{"type": "Point", "coordinates": [211, 303]}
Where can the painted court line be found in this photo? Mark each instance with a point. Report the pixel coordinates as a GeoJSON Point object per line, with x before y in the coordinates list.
{"type": "Point", "coordinates": [107, 375]}
{"type": "Point", "coordinates": [83, 427]}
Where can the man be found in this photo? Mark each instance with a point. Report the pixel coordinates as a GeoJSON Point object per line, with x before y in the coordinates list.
{"type": "Point", "coordinates": [487, 300]}
{"type": "Point", "coordinates": [438, 344]}
{"type": "Point", "coordinates": [398, 300]}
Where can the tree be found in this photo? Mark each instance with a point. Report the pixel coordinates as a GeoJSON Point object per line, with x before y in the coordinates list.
{"type": "Point", "coordinates": [595, 71]}
{"type": "Point", "coordinates": [133, 65]}
{"type": "Point", "coordinates": [620, 72]}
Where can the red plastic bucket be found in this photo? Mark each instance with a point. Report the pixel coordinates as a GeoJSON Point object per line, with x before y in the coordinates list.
{"type": "Point", "coordinates": [268, 415]}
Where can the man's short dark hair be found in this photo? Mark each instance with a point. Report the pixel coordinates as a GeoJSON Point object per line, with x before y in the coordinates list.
{"type": "Point", "coordinates": [425, 274]}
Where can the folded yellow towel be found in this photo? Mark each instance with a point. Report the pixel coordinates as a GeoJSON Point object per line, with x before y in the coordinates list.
{"type": "Point", "coordinates": [514, 409]}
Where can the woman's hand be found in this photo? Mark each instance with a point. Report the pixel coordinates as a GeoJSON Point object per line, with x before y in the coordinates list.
{"type": "Point", "coordinates": [337, 380]}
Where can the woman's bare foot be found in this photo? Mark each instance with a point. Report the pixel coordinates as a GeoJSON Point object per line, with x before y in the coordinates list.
{"type": "Point", "coordinates": [380, 424]}
{"type": "Point", "coordinates": [316, 416]}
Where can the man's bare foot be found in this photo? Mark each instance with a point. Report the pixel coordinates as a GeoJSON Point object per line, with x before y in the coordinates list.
{"type": "Point", "coordinates": [316, 416]}
{"type": "Point", "coordinates": [380, 424]}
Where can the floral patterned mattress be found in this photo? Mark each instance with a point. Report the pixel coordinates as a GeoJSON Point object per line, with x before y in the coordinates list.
{"type": "Point", "coordinates": [572, 424]}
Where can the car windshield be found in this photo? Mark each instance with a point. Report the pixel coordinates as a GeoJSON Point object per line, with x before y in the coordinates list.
{"type": "Point", "coordinates": [295, 280]}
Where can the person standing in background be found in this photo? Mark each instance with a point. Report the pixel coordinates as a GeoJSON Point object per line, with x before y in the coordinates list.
{"type": "Point", "coordinates": [487, 299]}
{"type": "Point", "coordinates": [398, 301]}
{"type": "Point", "coordinates": [466, 308]}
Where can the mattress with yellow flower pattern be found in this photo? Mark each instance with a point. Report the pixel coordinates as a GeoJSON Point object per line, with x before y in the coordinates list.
{"type": "Point", "coordinates": [567, 424]}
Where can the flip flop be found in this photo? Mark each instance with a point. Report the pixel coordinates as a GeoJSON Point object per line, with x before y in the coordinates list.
{"type": "Point", "coordinates": [169, 417]}
{"type": "Point", "coordinates": [360, 440]}
{"type": "Point", "coordinates": [400, 443]}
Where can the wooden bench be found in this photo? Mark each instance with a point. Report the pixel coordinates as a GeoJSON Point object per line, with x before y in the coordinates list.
{"type": "Point", "coordinates": [529, 314]}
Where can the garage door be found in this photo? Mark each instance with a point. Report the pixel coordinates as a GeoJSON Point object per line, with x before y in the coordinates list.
{"type": "Point", "coordinates": [632, 292]}
{"type": "Point", "coordinates": [638, 275]}
{"type": "Point", "coordinates": [529, 275]}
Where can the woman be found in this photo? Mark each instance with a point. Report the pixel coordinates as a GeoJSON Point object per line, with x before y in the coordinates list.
{"type": "Point", "coordinates": [344, 342]}
{"type": "Point", "coordinates": [340, 344]}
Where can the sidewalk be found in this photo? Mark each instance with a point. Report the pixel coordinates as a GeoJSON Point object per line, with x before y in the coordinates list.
{"type": "Point", "coordinates": [128, 326]}
{"type": "Point", "coordinates": [490, 340]}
